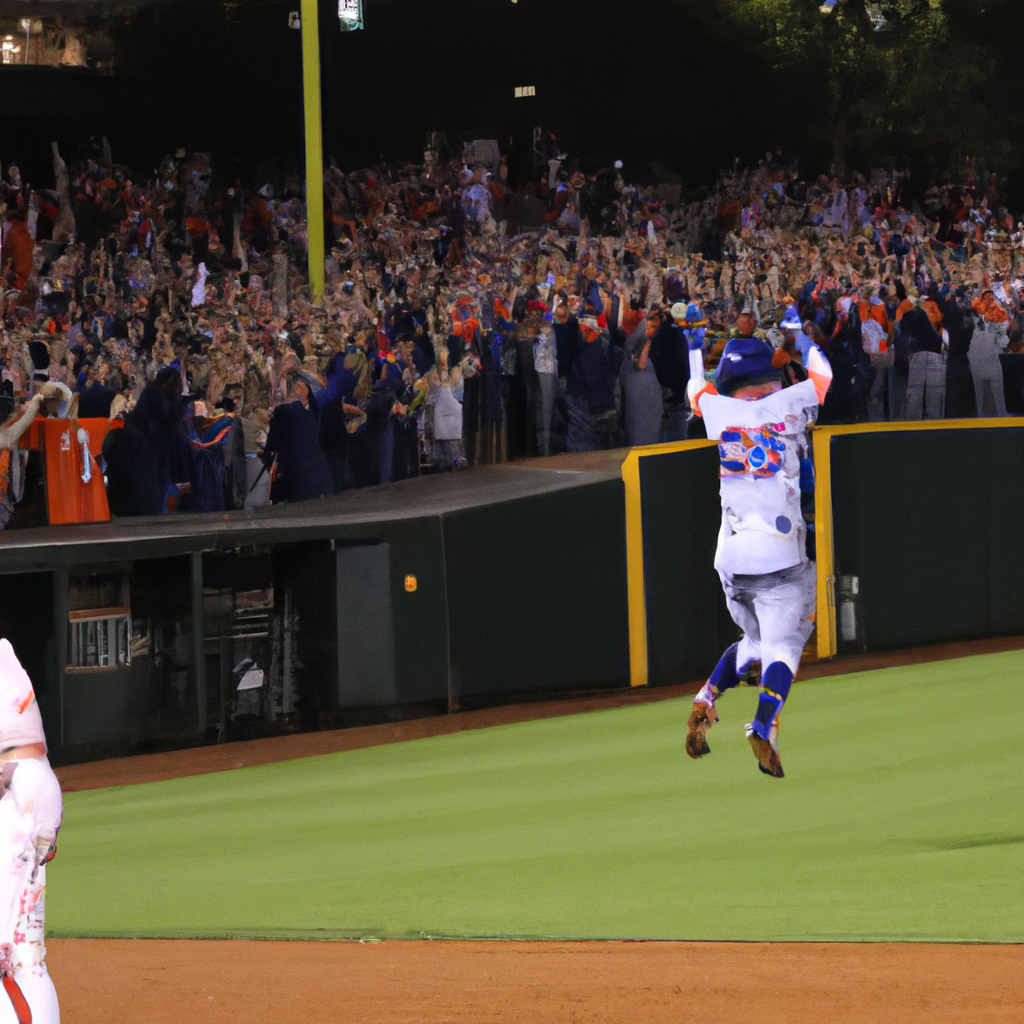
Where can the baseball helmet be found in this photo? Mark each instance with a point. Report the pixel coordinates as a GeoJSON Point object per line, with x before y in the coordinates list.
{"type": "Point", "coordinates": [745, 361]}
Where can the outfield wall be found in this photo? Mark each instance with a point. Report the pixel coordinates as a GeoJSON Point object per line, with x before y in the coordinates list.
{"type": "Point", "coordinates": [927, 531]}
{"type": "Point", "coordinates": [560, 576]}
{"type": "Point", "coordinates": [417, 598]}
{"type": "Point", "coordinates": [919, 534]}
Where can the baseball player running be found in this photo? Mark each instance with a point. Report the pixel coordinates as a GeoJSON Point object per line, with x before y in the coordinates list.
{"type": "Point", "coordinates": [767, 481]}
{"type": "Point", "coordinates": [30, 815]}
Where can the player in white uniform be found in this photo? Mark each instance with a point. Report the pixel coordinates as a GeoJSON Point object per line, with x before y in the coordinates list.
{"type": "Point", "coordinates": [30, 814]}
{"type": "Point", "coordinates": [762, 559]}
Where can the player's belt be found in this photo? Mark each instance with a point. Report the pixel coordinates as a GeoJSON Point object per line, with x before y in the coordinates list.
{"type": "Point", "coordinates": [23, 752]}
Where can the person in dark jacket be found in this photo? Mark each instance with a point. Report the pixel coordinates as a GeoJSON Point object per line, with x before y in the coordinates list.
{"type": "Point", "coordinates": [959, 326]}
{"type": "Point", "coordinates": [670, 355]}
{"type": "Point", "coordinates": [853, 373]}
{"type": "Point", "coordinates": [302, 471]}
{"type": "Point", "coordinates": [588, 390]}
{"type": "Point", "coordinates": [565, 327]}
{"type": "Point", "coordinates": [381, 423]}
{"type": "Point", "coordinates": [150, 458]}
{"type": "Point", "coordinates": [333, 427]}
{"type": "Point", "coordinates": [94, 398]}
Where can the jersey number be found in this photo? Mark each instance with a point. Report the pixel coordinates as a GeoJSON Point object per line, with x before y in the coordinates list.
{"type": "Point", "coordinates": [758, 451]}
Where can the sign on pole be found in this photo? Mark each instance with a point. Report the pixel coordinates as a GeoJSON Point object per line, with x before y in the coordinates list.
{"type": "Point", "coordinates": [350, 14]}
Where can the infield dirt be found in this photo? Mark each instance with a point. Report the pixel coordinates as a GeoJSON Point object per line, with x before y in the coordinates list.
{"type": "Point", "coordinates": [420, 982]}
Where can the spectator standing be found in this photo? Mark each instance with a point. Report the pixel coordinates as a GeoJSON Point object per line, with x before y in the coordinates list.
{"type": "Point", "coordinates": [989, 340]}
{"type": "Point", "coordinates": [149, 460]}
{"type": "Point", "coordinates": [641, 391]}
{"type": "Point", "coordinates": [853, 374]}
{"type": "Point", "coordinates": [443, 416]}
{"type": "Point", "coordinates": [293, 442]}
{"type": "Point", "coordinates": [545, 365]}
{"type": "Point", "coordinates": [926, 381]}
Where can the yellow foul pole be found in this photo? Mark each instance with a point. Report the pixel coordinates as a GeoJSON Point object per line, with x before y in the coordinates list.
{"type": "Point", "coordinates": [314, 146]}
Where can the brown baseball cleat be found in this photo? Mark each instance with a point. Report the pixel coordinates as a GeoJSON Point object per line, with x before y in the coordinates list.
{"type": "Point", "coordinates": [702, 718]}
{"type": "Point", "coordinates": [767, 755]}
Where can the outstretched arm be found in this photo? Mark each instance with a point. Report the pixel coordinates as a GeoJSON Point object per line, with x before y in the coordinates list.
{"type": "Point", "coordinates": [12, 430]}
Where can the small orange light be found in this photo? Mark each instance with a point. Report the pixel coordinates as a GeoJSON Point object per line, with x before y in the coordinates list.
{"type": "Point", "coordinates": [411, 584]}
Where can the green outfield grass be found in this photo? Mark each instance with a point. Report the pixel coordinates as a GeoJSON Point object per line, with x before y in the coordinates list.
{"type": "Point", "coordinates": [901, 817]}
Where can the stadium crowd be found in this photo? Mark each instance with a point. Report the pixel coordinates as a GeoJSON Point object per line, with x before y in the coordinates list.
{"type": "Point", "coordinates": [465, 322]}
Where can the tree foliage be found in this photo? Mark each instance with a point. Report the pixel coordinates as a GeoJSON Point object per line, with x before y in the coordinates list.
{"type": "Point", "coordinates": [928, 81]}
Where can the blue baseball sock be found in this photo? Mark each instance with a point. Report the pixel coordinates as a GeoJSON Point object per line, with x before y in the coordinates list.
{"type": "Point", "coordinates": [776, 680]}
{"type": "Point", "coordinates": [725, 676]}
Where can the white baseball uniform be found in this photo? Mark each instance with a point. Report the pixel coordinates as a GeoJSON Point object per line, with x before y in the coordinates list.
{"type": "Point", "coordinates": [30, 814]}
{"type": "Point", "coordinates": [762, 546]}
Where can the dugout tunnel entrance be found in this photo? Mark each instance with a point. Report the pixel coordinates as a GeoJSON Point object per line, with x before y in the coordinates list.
{"type": "Point", "coordinates": [205, 646]}
{"type": "Point", "coordinates": [108, 648]}
{"type": "Point", "coordinates": [270, 647]}
{"type": "Point", "coordinates": [165, 652]}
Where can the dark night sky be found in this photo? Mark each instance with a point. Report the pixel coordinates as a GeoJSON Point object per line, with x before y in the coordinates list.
{"type": "Point", "coordinates": [614, 80]}
{"type": "Point", "coordinates": [639, 80]}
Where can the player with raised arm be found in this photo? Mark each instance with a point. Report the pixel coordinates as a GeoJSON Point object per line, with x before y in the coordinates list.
{"type": "Point", "coordinates": [767, 481]}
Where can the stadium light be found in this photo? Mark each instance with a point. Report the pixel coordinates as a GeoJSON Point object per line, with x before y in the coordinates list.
{"type": "Point", "coordinates": [350, 14]}
{"type": "Point", "coordinates": [9, 49]}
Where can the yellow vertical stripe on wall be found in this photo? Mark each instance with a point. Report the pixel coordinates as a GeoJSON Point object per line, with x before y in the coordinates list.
{"type": "Point", "coordinates": [635, 586]}
{"type": "Point", "coordinates": [636, 601]}
{"type": "Point", "coordinates": [821, 438]}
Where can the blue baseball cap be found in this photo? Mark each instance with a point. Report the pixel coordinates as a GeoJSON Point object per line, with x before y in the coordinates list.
{"type": "Point", "coordinates": [745, 361]}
